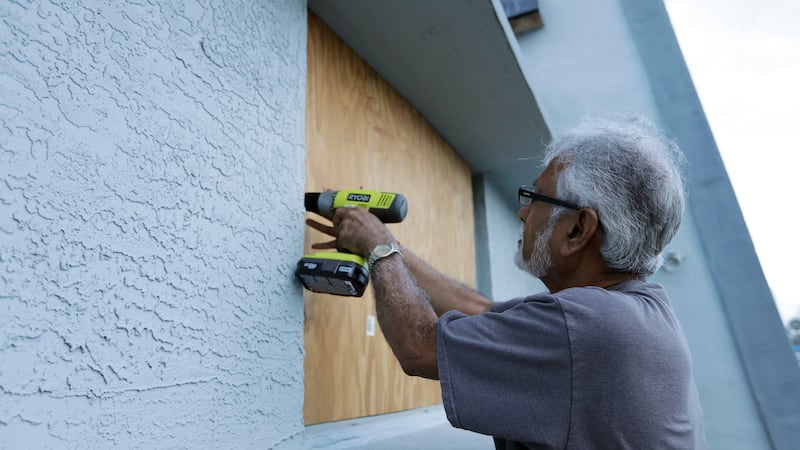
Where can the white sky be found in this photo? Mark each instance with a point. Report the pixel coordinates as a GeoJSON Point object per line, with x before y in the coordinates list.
{"type": "Point", "coordinates": [744, 57]}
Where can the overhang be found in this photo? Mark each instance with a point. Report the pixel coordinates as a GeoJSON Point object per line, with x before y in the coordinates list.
{"type": "Point", "coordinates": [456, 61]}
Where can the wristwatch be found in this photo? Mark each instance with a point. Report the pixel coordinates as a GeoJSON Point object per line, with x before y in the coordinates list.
{"type": "Point", "coordinates": [382, 251]}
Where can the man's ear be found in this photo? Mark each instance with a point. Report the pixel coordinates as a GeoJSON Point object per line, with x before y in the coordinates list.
{"type": "Point", "coordinates": [583, 225]}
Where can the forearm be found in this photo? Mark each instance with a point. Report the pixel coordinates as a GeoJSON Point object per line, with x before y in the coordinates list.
{"type": "Point", "coordinates": [445, 293]}
{"type": "Point", "coordinates": [406, 317]}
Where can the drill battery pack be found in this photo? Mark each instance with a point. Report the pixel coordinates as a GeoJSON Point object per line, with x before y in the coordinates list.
{"type": "Point", "coordinates": [333, 273]}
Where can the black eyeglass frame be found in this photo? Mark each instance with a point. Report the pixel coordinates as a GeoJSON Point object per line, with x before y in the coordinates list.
{"type": "Point", "coordinates": [527, 192]}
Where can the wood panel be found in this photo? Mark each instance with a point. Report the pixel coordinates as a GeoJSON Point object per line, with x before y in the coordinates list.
{"type": "Point", "coordinates": [360, 133]}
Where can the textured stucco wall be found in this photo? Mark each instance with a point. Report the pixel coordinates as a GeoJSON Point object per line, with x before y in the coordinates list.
{"type": "Point", "coordinates": [151, 178]}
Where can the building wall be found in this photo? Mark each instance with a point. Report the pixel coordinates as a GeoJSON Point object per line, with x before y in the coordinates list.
{"type": "Point", "coordinates": [151, 177]}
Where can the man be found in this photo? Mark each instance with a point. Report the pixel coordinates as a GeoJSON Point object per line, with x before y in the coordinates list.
{"type": "Point", "coordinates": [598, 362]}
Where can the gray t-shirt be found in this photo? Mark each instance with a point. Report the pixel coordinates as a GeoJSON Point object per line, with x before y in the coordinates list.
{"type": "Point", "coordinates": [584, 368]}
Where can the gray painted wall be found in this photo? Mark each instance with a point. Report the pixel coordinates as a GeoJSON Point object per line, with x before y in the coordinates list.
{"type": "Point", "coordinates": [151, 172]}
{"type": "Point", "coordinates": [584, 62]}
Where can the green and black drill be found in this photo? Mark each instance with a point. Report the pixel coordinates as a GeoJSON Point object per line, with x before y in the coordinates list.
{"type": "Point", "coordinates": [341, 273]}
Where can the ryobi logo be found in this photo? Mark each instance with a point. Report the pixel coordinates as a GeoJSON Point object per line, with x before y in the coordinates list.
{"type": "Point", "coordinates": [358, 197]}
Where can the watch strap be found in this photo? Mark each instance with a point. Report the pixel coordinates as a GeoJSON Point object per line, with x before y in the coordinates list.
{"type": "Point", "coordinates": [382, 251]}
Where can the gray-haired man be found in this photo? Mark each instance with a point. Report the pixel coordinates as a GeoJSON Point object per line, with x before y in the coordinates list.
{"type": "Point", "coordinates": [598, 362]}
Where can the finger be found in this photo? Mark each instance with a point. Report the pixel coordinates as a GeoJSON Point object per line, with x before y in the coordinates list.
{"type": "Point", "coordinates": [320, 227]}
{"type": "Point", "coordinates": [344, 211]}
{"type": "Point", "coordinates": [324, 245]}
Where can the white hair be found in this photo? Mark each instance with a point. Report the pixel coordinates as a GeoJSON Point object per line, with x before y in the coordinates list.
{"type": "Point", "coordinates": [631, 175]}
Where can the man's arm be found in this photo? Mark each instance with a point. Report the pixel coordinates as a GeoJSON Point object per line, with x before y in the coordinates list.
{"type": "Point", "coordinates": [409, 296]}
{"type": "Point", "coordinates": [445, 293]}
{"type": "Point", "coordinates": [406, 317]}
{"type": "Point", "coordinates": [405, 312]}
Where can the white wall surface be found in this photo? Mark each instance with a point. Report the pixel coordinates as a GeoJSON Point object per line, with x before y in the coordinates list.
{"type": "Point", "coordinates": [151, 178]}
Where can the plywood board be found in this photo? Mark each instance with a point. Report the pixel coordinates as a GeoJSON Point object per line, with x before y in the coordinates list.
{"type": "Point", "coordinates": [360, 133]}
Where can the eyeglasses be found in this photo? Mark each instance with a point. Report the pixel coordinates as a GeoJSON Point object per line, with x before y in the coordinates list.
{"type": "Point", "coordinates": [527, 195]}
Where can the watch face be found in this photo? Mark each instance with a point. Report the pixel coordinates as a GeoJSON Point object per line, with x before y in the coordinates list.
{"type": "Point", "coordinates": [382, 250]}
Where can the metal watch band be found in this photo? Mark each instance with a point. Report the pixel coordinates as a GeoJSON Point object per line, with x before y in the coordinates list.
{"type": "Point", "coordinates": [382, 251]}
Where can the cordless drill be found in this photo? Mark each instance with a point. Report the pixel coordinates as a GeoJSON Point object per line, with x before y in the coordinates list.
{"type": "Point", "coordinates": [341, 273]}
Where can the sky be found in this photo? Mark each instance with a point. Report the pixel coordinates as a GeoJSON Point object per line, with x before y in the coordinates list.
{"type": "Point", "coordinates": [744, 58]}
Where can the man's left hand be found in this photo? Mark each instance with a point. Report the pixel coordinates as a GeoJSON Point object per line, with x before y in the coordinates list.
{"type": "Point", "coordinates": [355, 230]}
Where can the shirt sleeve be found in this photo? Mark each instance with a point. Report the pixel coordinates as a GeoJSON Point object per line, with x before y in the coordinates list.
{"type": "Point", "coordinates": [507, 372]}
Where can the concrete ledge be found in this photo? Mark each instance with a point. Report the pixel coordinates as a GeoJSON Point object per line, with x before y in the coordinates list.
{"type": "Point", "coordinates": [425, 428]}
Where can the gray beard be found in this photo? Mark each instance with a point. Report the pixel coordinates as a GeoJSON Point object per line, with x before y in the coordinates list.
{"type": "Point", "coordinates": [541, 260]}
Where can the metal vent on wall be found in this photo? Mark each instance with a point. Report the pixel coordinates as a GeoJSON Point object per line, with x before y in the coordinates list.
{"type": "Point", "coordinates": [523, 15]}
